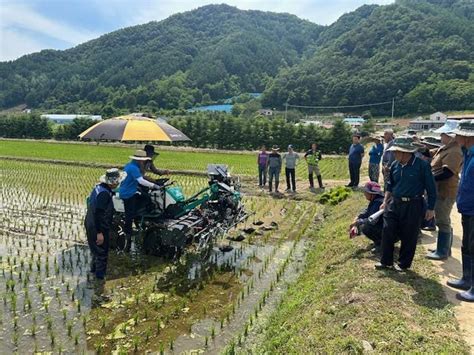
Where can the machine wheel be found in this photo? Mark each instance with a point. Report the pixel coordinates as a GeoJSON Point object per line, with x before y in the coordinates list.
{"type": "Point", "coordinates": [118, 240]}
{"type": "Point", "coordinates": [152, 241]}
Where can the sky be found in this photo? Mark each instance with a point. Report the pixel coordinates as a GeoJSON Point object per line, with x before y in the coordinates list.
{"type": "Point", "coordinates": [28, 26]}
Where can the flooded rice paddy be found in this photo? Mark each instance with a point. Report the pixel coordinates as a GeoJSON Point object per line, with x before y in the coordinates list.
{"type": "Point", "coordinates": [199, 303]}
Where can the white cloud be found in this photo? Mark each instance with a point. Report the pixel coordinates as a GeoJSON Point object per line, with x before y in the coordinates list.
{"type": "Point", "coordinates": [21, 30]}
{"type": "Point", "coordinates": [318, 11]}
{"type": "Point", "coordinates": [14, 44]}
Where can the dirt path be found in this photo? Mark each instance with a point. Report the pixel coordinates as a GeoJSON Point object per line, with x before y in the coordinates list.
{"type": "Point", "coordinates": [450, 268]}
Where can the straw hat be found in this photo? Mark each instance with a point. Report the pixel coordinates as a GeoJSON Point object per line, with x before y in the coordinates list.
{"type": "Point", "coordinates": [465, 128]}
{"type": "Point", "coordinates": [113, 176]}
{"type": "Point", "coordinates": [140, 155]}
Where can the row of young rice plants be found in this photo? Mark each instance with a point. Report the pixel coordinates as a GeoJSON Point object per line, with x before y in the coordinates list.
{"type": "Point", "coordinates": [43, 260]}
{"type": "Point", "coordinates": [333, 168]}
{"type": "Point", "coordinates": [46, 304]}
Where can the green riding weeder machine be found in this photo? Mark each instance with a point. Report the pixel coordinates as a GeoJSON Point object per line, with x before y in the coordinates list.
{"type": "Point", "coordinates": [170, 221]}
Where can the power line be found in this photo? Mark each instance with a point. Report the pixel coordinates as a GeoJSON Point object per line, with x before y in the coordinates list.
{"type": "Point", "coordinates": [346, 106]}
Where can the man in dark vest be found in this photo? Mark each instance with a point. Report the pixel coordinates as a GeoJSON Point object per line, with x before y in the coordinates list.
{"type": "Point", "coordinates": [98, 220]}
{"type": "Point", "coordinates": [409, 178]}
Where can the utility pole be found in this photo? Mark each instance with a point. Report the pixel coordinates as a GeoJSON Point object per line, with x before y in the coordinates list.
{"type": "Point", "coordinates": [393, 106]}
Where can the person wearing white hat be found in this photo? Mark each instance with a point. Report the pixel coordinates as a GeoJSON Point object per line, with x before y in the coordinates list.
{"type": "Point", "coordinates": [98, 220]}
{"type": "Point", "coordinates": [445, 166]}
{"type": "Point", "coordinates": [465, 203]}
{"type": "Point", "coordinates": [129, 190]}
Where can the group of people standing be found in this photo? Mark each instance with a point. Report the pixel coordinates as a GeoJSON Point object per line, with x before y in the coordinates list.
{"type": "Point", "coordinates": [271, 164]}
{"type": "Point", "coordinates": [422, 186]}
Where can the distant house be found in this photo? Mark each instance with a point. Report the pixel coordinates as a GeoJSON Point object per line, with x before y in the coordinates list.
{"type": "Point", "coordinates": [65, 119]}
{"type": "Point", "coordinates": [425, 125]}
{"type": "Point", "coordinates": [469, 116]}
{"type": "Point", "coordinates": [308, 122]}
{"type": "Point", "coordinates": [338, 114]}
{"type": "Point", "coordinates": [438, 116]}
{"type": "Point", "coordinates": [354, 121]}
{"type": "Point", "coordinates": [265, 112]}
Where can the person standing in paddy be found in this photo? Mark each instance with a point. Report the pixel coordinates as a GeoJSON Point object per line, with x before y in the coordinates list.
{"type": "Point", "coordinates": [356, 152]}
{"type": "Point", "coordinates": [100, 210]}
{"type": "Point", "coordinates": [312, 157]}
{"type": "Point", "coordinates": [274, 168]}
{"type": "Point", "coordinates": [291, 160]}
{"type": "Point", "coordinates": [262, 162]}
{"type": "Point", "coordinates": [465, 202]}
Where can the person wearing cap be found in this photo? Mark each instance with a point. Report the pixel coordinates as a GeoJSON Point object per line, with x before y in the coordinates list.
{"type": "Point", "coordinates": [274, 168]}
{"type": "Point", "coordinates": [409, 178]}
{"type": "Point", "coordinates": [129, 193]}
{"type": "Point", "coordinates": [291, 160]}
{"type": "Point", "coordinates": [465, 203]}
{"type": "Point", "coordinates": [149, 165]}
{"type": "Point", "coordinates": [262, 162]}
{"type": "Point", "coordinates": [98, 220]}
{"type": "Point", "coordinates": [387, 157]}
{"type": "Point", "coordinates": [445, 166]}
{"type": "Point", "coordinates": [371, 229]}
{"type": "Point", "coordinates": [356, 152]}
{"type": "Point", "coordinates": [375, 156]}
{"type": "Point", "coordinates": [312, 157]}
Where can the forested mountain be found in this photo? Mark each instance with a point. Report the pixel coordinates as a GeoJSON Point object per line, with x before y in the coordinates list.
{"type": "Point", "coordinates": [419, 51]}
{"type": "Point", "coordinates": [213, 52]}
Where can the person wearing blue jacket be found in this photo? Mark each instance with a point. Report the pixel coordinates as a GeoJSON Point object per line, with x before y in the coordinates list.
{"type": "Point", "coordinates": [465, 202]}
{"type": "Point", "coordinates": [129, 192]}
{"type": "Point", "coordinates": [375, 156]}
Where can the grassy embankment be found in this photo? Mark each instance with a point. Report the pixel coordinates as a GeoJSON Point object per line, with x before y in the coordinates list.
{"type": "Point", "coordinates": [242, 164]}
{"type": "Point", "coordinates": [341, 303]}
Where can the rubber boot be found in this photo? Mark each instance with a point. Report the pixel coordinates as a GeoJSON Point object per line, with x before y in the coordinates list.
{"type": "Point", "coordinates": [451, 242]}
{"type": "Point", "coordinates": [320, 182]}
{"type": "Point", "coordinates": [311, 180]}
{"type": "Point", "coordinates": [443, 246]}
{"type": "Point", "coordinates": [464, 283]}
{"type": "Point", "coordinates": [99, 296]}
{"type": "Point", "coordinates": [92, 264]}
{"type": "Point", "coordinates": [468, 295]}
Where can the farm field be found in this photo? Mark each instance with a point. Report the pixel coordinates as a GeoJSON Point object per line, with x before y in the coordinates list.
{"type": "Point", "coordinates": [332, 168]}
{"type": "Point", "coordinates": [194, 304]}
{"type": "Point", "coordinates": [295, 283]}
